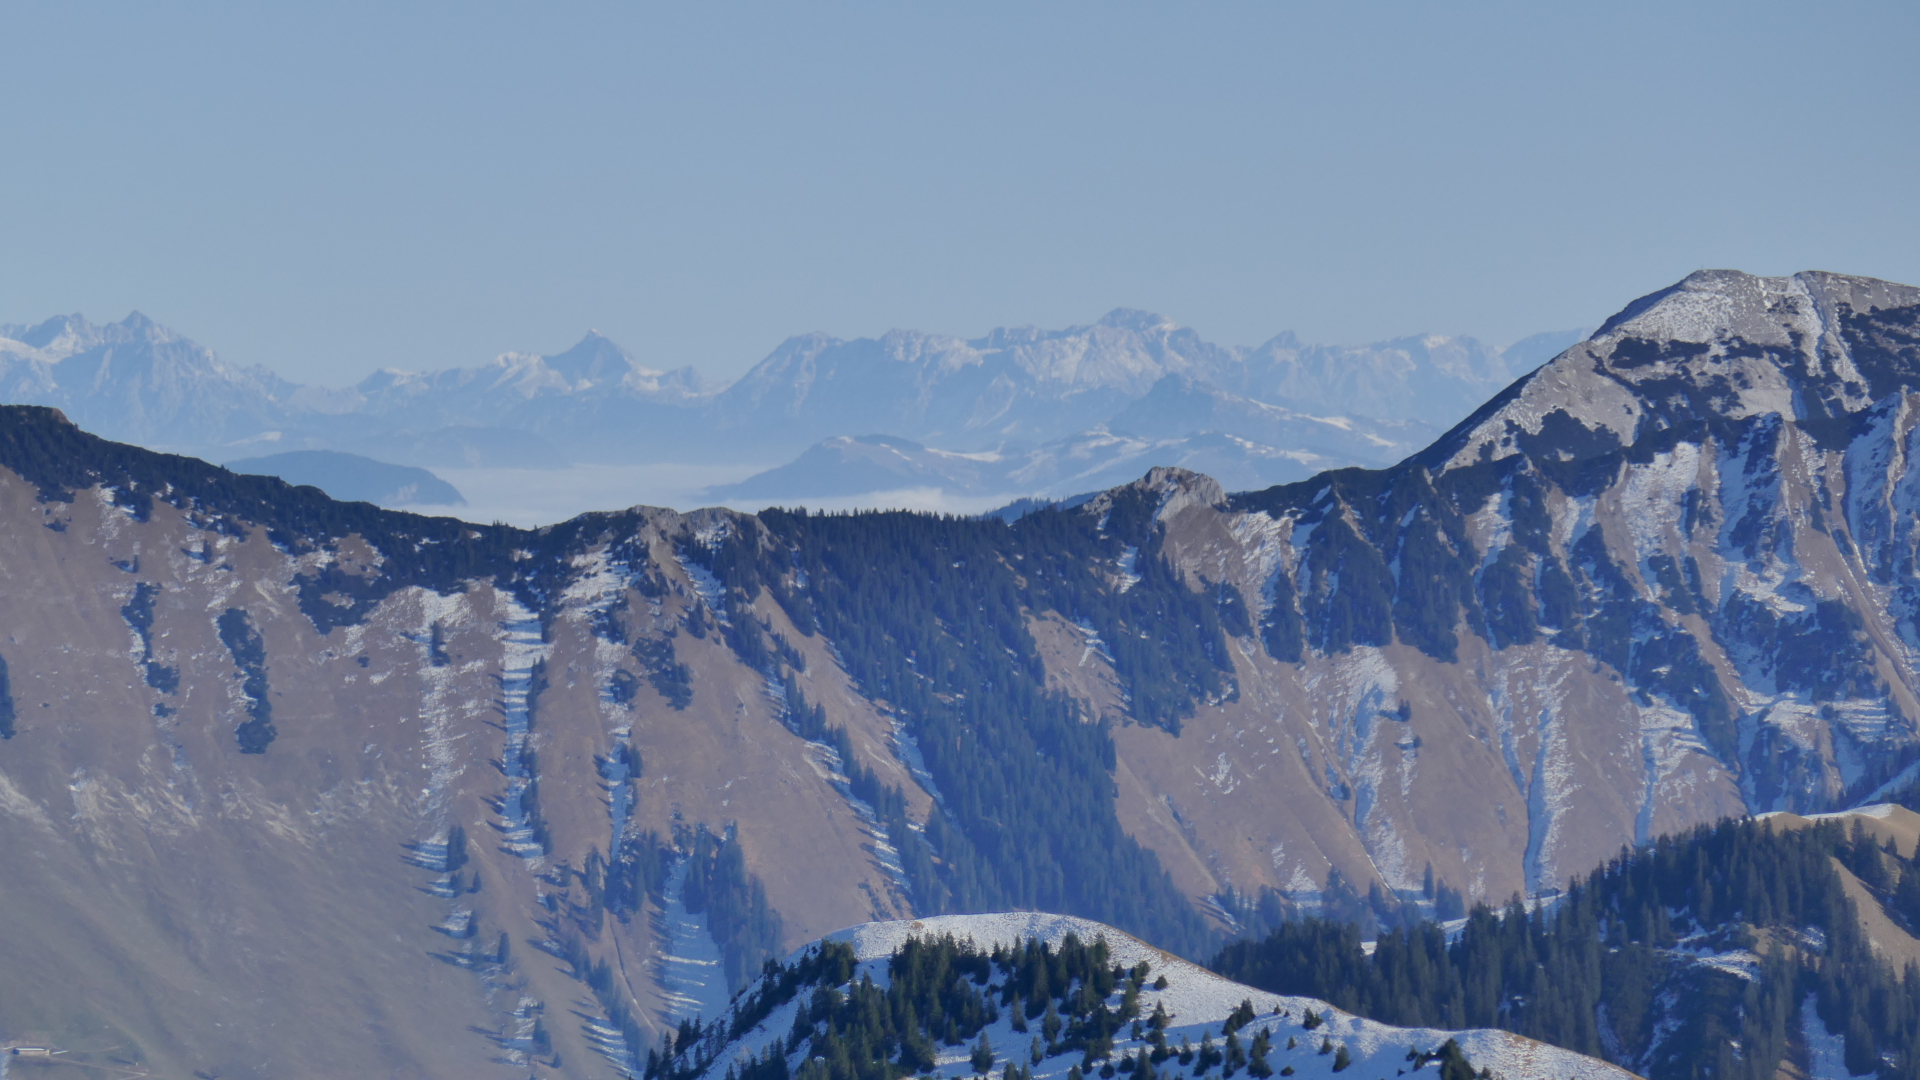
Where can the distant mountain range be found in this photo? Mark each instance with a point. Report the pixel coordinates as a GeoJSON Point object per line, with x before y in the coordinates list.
{"type": "Point", "coordinates": [1019, 411]}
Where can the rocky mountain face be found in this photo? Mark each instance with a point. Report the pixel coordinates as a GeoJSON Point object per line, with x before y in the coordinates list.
{"type": "Point", "coordinates": [300, 787]}
{"type": "Point", "coordinates": [1673, 561]}
{"type": "Point", "coordinates": [1034, 398]}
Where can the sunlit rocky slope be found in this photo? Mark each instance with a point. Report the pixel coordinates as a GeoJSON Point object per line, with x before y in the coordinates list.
{"type": "Point", "coordinates": [294, 787]}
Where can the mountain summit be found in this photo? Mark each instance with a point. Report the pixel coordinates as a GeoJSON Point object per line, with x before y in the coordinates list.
{"type": "Point", "coordinates": [1718, 348]}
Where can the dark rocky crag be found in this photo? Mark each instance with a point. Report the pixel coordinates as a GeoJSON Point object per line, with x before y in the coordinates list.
{"type": "Point", "coordinates": [426, 803]}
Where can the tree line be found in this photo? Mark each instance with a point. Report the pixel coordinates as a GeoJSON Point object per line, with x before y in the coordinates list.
{"type": "Point", "coordinates": [1603, 972]}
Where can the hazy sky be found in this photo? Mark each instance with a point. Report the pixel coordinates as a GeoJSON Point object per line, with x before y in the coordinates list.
{"type": "Point", "coordinates": [332, 188]}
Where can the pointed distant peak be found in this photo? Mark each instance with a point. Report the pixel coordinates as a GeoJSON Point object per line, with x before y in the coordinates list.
{"type": "Point", "coordinates": [595, 357]}
{"type": "Point", "coordinates": [1135, 319]}
{"type": "Point", "coordinates": [596, 341]}
{"type": "Point", "coordinates": [1283, 341]}
{"type": "Point", "coordinates": [137, 322]}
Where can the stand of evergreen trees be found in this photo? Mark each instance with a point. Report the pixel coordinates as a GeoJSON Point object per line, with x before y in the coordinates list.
{"type": "Point", "coordinates": [742, 923]}
{"type": "Point", "coordinates": [1607, 970]}
{"type": "Point", "coordinates": [939, 992]}
{"type": "Point", "coordinates": [249, 651]}
{"type": "Point", "coordinates": [138, 611]}
{"type": "Point", "coordinates": [7, 711]}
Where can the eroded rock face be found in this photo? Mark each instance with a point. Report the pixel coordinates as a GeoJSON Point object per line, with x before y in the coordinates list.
{"type": "Point", "coordinates": [1667, 576]}
{"type": "Point", "coordinates": [282, 774]}
{"type": "Point", "coordinates": [240, 749]}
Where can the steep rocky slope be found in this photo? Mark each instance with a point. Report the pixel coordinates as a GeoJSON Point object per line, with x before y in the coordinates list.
{"type": "Point", "coordinates": [1668, 575]}
{"type": "Point", "coordinates": [293, 786]}
{"type": "Point", "coordinates": [233, 762]}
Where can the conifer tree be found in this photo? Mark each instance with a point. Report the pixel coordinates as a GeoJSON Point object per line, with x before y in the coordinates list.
{"type": "Point", "coordinates": [1453, 1062]}
{"type": "Point", "coordinates": [1257, 1055]}
{"type": "Point", "coordinates": [982, 1057]}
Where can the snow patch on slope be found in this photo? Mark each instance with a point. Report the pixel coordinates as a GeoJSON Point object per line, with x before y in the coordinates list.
{"type": "Point", "coordinates": [692, 980]}
{"type": "Point", "coordinates": [1528, 705]}
{"type": "Point", "coordinates": [1198, 1000]}
{"type": "Point", "coordinates": [522, 653]}
{"type": "Point", "coordinates": [1826, 1052]}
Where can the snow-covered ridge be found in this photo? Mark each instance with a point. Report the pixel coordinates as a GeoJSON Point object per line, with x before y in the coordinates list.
{"type": "Point", "coordinates": [1198, 1000]}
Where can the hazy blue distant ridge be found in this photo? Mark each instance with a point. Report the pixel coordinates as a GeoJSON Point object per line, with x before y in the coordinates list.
{"type": "Point", "coordinates": [1019, 410]}
{"type": "Point", "coordinates": [352, 478]}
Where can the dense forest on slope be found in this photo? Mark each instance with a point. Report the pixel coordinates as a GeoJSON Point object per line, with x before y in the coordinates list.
{"type": "Point", "coordinates": [928, 615]}
{"type": "Point", "coordinates": [742, 923]}
{"type": "Point", "coordinates": [1611, 970]}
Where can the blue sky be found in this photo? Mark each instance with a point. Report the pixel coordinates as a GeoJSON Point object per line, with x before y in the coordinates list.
{"type": "Point", "coordinates": [328, 189]}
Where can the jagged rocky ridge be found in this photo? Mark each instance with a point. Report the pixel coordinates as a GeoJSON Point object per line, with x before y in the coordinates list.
{"type": "Point", "coordinates": [1581, 618]}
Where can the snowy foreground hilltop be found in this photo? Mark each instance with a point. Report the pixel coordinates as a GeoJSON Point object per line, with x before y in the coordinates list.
{"type": "Point", "coordinates": [1197, 1004]}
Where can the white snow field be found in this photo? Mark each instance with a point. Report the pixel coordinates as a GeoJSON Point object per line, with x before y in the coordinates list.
{"type": "Point", "coordinates": [1198, 1001]}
